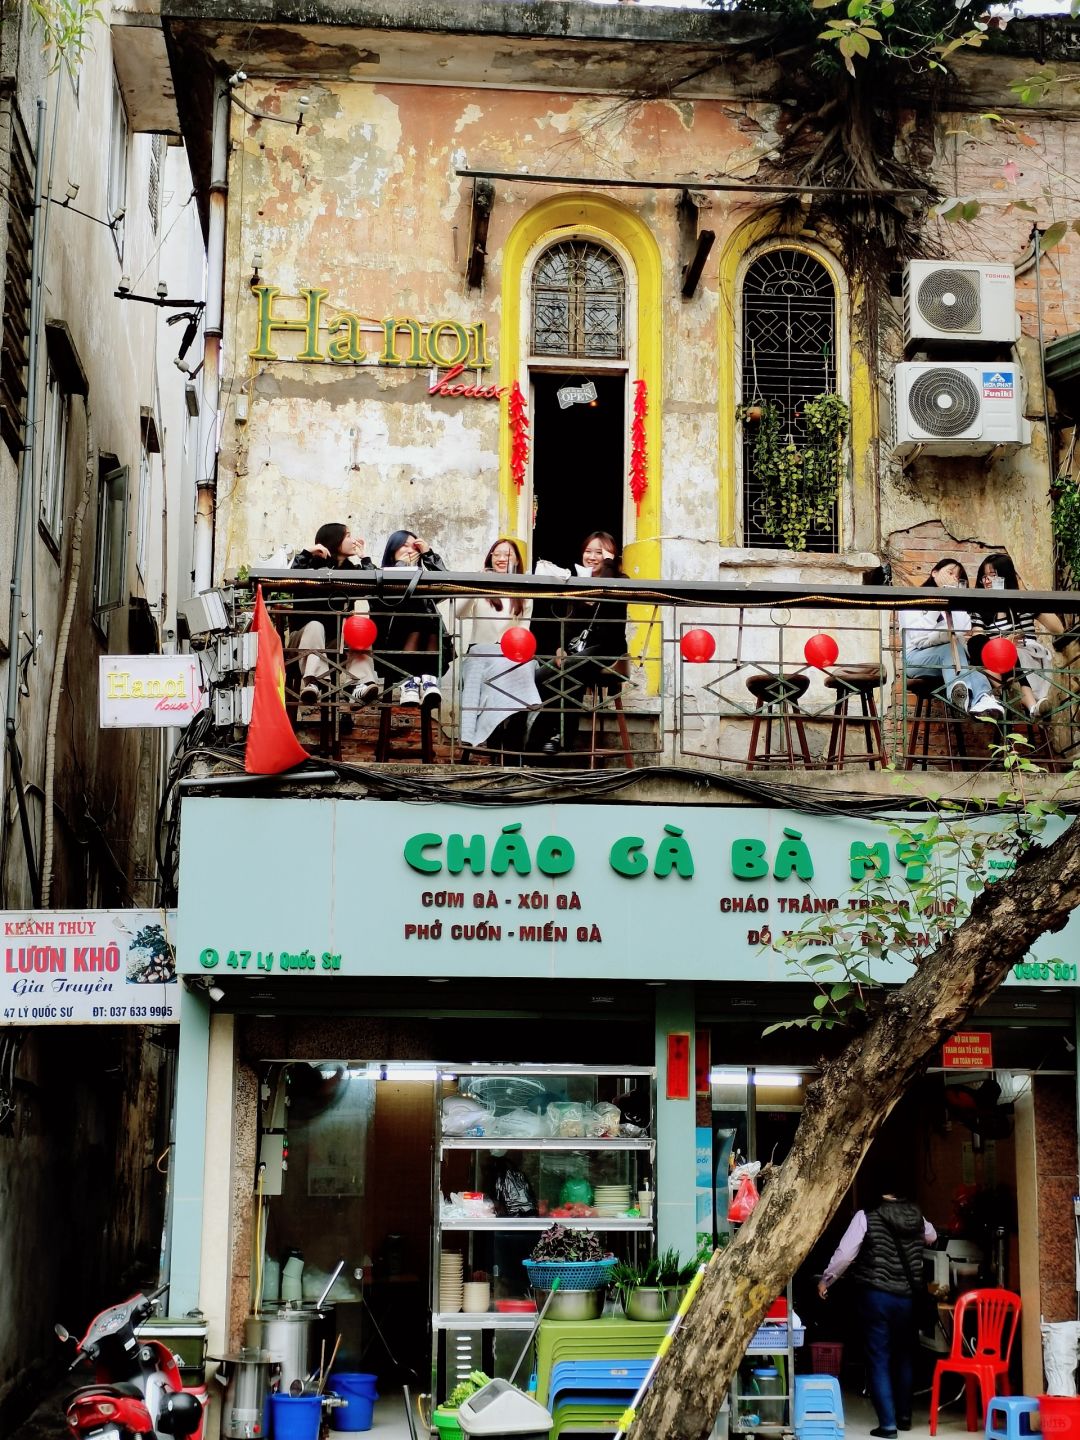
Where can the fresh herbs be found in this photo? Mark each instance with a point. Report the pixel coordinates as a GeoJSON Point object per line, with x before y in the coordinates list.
{"type": "Point", "coordinates": [558, 1243]}
{"type": "Point", "coordinates": [465, 1389]}
{"type": "Point", "coordinates": [667, 1271]}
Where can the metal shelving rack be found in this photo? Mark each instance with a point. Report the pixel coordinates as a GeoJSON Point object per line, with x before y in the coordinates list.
{"type": "Point", "coordinates": [462, 1341]}
{"type": "Point", "coordinates": [769, 1350]}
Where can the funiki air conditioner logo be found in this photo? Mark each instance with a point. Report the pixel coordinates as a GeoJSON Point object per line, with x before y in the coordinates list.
{"type": "Point", "coordinates": [997, 384]}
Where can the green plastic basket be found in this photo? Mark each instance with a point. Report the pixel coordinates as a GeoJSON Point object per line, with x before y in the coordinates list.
{"type": "Point", "coordinates": [446, 1422]}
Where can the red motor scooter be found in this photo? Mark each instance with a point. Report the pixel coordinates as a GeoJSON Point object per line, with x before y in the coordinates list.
{"type": "Point", "coordinates": [137, 1388]}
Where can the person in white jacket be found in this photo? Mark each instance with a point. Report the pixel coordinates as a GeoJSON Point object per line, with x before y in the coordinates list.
{"type": "Point", "coordinates": [934, 648]}
{"type": "Point", "coordinates": [496, 693]}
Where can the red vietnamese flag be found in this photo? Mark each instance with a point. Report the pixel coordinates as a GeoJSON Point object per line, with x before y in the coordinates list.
{"type": "Point", "coordinates": [271, 745]}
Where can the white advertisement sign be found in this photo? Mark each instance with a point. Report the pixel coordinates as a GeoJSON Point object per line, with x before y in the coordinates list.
{"type": "Point", "coordinates": [149, 690]}
{"type": "Point", "coordinates": [78, 967]}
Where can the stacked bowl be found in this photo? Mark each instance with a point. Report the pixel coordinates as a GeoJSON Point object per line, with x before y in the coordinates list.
{"type": "Point", "coordinates": [451, 1288]}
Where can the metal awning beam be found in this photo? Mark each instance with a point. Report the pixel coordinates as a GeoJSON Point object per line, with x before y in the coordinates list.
{"type": "Point", "coordinates": [618, 182]}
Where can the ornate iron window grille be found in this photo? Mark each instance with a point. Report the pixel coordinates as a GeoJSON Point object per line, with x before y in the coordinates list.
{"type": "Point", "coordinates": [579, 302]}
{"type": "Point", "coordinates": [788, 357]}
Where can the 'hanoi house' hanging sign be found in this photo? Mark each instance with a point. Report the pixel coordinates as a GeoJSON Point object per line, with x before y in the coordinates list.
{"type": "Point", "coordinates": [345, 338]}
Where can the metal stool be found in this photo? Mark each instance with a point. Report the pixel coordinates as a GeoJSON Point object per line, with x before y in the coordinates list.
{"type": "Point", "coordinates": [777, 698]}
{"type": "Point", "coordinates": [925, 689]}
{"type": "Point", "coordinates": [1008, 1417]}
{"type": "Point", "coordinates": [850, 681]}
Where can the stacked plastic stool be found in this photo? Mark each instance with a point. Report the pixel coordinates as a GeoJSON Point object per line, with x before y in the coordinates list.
{"type": "Point", "coordinates": [1008, 1417]}
{"type": "Point", "coordinates": [819, 1408]}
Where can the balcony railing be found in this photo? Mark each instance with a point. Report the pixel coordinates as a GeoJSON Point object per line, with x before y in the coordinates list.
{"type": "Point", "coordinates": [625, 674]}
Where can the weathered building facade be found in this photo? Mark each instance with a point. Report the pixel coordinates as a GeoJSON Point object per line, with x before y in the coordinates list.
{"type": "Point", "coordinates": [462, 274]}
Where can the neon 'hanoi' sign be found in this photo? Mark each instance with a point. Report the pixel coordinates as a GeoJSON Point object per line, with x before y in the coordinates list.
{"type": "Point", "coordinates": [446, 345]}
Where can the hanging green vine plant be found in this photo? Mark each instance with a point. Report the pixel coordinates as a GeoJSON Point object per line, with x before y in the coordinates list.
{"type": "Point", "coordinates": [800, 483]}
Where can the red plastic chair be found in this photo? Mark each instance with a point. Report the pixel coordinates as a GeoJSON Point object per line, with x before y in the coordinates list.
{"type": "Point", "coordinates": [997, 1314]}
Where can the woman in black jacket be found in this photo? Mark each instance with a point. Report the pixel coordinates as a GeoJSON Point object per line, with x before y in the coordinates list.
{"type": "Point", "coordinates": [411, 633]}
{"type": "Point", "coordinates": [334, 549]}
{"type": "Point", "coordinates": [586, 642]}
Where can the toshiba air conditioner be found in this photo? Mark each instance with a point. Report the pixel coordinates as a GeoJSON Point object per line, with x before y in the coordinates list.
{"type": "Point", "coordinates": [945, 301]}
{"type": "Point", "coordinates": [958, 409]}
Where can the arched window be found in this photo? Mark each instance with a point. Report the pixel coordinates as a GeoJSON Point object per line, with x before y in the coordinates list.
{"type": "Point", "coordinates": [789, 327]}
{"type": "Point", "coordinates": [579, 302]}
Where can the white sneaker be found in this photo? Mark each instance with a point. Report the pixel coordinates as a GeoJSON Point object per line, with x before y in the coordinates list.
{"type": "Point", "coordinates": [430, 693]}
{"type": "Point", "coordinates": [310, 691]}
{"type": "Point", "coordinates": [410, 691]}
{"type": "Point", "coordinates": [958, 695]}
{"type": "Point", "coordinates": [364, 692]}
{"type": "Point", "coordinates": [988, 706]}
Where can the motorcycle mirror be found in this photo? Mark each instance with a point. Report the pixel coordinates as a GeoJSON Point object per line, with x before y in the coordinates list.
{"type": "Point", "coordinates": [61, 1334]}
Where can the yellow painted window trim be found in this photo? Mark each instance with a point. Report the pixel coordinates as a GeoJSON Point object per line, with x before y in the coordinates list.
{"type": "Point", "coordinates": [854, 380]}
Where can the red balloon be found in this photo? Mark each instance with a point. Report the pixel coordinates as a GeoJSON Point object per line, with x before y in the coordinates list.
{"type": "Point", "coordinates": [518, 644]}
{"type": "Point", "coordinates": [697, 646]}
{"type": "Point", "coordinates": [821, 650]}
{"type": "Point", "coordinates": [359, 632]}
{"type": "Point", "coordinates": [998, 655]}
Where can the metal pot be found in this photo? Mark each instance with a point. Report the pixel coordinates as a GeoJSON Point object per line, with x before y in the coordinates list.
{"type": "Point", "coordinates": [293, 1335]}
{"type": "Point", "coordinates": [653, 1302]}
{"type": "Point", "coordinates": [572, 1304]}
{"type": "Point", "coordinates": [243, 1412]}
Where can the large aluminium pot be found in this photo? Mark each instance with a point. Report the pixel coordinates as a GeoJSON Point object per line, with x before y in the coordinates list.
{"type": "Point", "coordinates": [293, 1334]}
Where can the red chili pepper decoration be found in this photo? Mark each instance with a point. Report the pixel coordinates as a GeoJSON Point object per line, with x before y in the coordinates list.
{"type": "Point", "coordinates": [639, 457]}
{"type": "Point", "coordinates": [519, 435]}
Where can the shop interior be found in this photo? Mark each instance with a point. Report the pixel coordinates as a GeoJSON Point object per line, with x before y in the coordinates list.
{"type": "Point", "coordinates": [359, 1180]}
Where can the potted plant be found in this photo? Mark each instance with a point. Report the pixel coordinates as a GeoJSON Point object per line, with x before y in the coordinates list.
{"type": "Point", "coordinates": [655, 1290]}
{"type": "Point", "coordinates": [800, 481]}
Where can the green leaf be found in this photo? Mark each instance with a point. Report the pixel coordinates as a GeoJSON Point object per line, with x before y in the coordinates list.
{"type": "Point", "coordinates": [1053, 236]}
{"type": "Point", "coordinates": [860, 45]}
{"type": "Point", "coordinates": [820, 1001]}
{"type": "Point", "coordinates": [888, 8]}
{"type": "Point", "coordinates": [870, 32]}
{"type": "Point", "coordinates": [971, 210]}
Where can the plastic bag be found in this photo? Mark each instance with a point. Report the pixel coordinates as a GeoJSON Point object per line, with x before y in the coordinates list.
{"type": "Point", "coordinates": [568, 1119]}
{"type": "Point", "coordinates": [1061, 1342]}
{"type": "Point", "coordinates": [462, 1115]}
{"type": "Point", "coordinates": [602, 1122]}
{"type": "Point", "coordinates": [746, 1197]}
{"type": "Point", "coordinates": [513, 1194]}
{"type": "Point", "coordinates": [525, 1124]}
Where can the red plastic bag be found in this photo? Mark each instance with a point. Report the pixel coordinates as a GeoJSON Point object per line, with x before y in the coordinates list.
{"type": "Point", "coordinates": [746, 1197]}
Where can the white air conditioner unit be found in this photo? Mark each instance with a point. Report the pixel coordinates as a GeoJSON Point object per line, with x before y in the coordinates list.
{"type": "Point", "coordinates": [944, 301]}
{"type": "Point", "coordinates": [960, 409]}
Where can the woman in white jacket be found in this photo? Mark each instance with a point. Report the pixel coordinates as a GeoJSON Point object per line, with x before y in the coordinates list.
{"type": "Point", "coordinates": [934, 648]}
{"type": "Point", "coordinates": [496, 693]}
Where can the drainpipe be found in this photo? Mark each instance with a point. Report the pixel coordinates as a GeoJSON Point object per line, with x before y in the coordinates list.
{"type": "Point", "coordinates": [215, 282]}
{"type": "Point", "coordinates": [24, 504]}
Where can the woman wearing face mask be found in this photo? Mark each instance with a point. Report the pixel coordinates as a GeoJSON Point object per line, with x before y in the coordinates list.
{"type": "Point", "coordinates": [334, 549]}
{"type": "Point", "coordinates": [1034, 662]}
{"type": "Point", "coordinates": [587, 652]}
{"type": "Point", "coordinates": [496, 693]}
{"type": "Point", "coordinates": [411, 631]}
{"type": "Point", "coordinates": [934, 647]}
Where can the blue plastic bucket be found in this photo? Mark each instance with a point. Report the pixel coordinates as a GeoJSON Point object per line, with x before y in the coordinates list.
{"type": "Point", "coordinates": [357, 1389]}
{"type": "Point", "coordinates": [295, 1417]}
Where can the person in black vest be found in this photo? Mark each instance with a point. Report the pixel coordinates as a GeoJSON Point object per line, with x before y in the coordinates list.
{"type": "Point", "coordinates": [883, 1247]}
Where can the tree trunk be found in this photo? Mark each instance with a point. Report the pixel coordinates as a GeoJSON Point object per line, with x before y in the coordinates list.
{"type": "Point", "coordinates": [845, 1108]}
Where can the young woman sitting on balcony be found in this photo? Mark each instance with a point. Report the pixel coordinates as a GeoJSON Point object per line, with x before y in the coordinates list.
{"type": "Point", "coordinates": [334, 549]}
{"type": "Point", "coordinates": [411, 629]}
{"type": "Point", "coordinates": [1035, 663]}
{"type": "Point", "coordinates": [934, 647]}
{"type": "Point", "coordinates": [587, 653]}
{"type": "Point", "coordinates": [496, 693]}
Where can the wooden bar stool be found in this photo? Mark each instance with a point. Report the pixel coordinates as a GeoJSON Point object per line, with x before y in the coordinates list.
{"type": "Point", "coordinates": [597, 749]}
{"type": "Point", "coordinates": [777, 702]}
{"type": "Point", "coordinates": [384, 746]}
{"type": "Point", "coordinates": [851, 682]}
{"type": "Point", "coordinates": [925, 689]}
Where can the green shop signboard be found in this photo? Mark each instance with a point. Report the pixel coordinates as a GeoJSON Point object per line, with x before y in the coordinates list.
{"type": "Point", "coordinates": [346, 887]}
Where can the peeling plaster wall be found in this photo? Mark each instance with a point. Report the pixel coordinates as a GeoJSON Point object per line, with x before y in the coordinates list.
{"type": "Point", "coordinates": [364, 202]}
